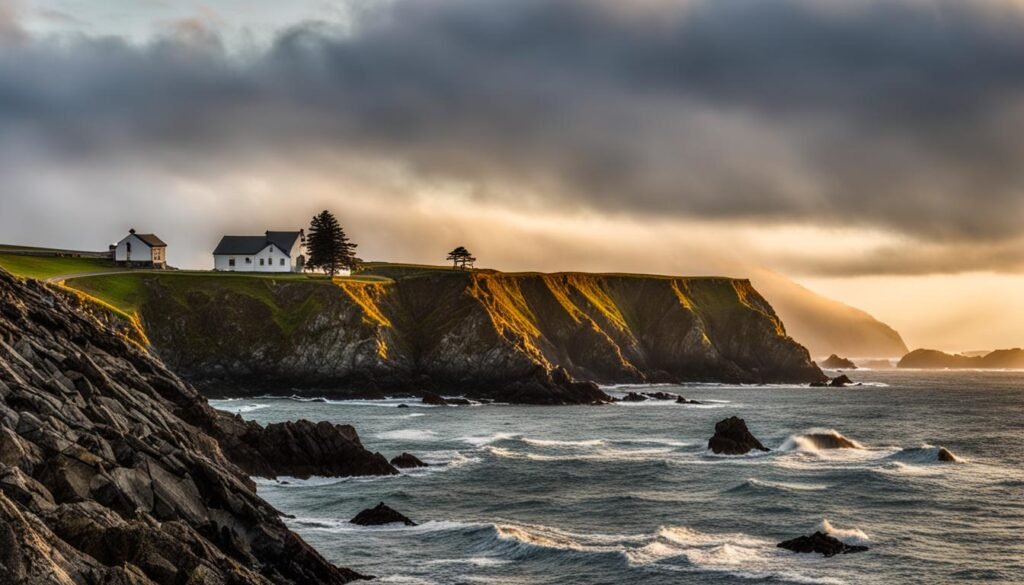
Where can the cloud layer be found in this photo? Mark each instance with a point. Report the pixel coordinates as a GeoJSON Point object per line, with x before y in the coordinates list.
{"type": "Point", "coordinates": [901, 115]}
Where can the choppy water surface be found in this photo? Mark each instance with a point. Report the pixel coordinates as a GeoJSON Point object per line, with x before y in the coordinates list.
{"type": "Point", "coordinates": [628, 493]}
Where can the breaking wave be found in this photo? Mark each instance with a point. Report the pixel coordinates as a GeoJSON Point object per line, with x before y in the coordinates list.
{"type": "Point", "coordinates": [854, 536]}
{"type": "Point", "coordinates": [408, 435]}
{"type": "Point", "coordinates": [818, 440]}
{"type": "Point", "coordinates": [754, 484]}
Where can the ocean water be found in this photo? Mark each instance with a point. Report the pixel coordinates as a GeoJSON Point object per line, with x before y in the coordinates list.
{"type": "Point", "coordinates": [628, 493]}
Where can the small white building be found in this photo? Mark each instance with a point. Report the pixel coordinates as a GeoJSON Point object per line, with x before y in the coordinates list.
{"type": "Point", "coordinates": [271, 252]}
{"type": "Point", "coordinates": [140, 250]}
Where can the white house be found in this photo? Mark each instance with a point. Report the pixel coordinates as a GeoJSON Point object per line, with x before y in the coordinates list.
{"type": "Point", "coordinates": [271, 252]}
{"type": "Point", "coordinates": [140, 250]}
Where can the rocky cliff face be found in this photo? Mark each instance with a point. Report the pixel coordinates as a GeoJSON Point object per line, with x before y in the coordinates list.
{"type": "Point", "coordinates": [113, 471]}
{"type": "Point", "coordinates": [517, 337]}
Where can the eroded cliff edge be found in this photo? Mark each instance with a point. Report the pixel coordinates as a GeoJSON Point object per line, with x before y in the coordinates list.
{"type": "Point", "coordinates": [514, 337]}
{"type": "Point", "coordinates": [114, 471]}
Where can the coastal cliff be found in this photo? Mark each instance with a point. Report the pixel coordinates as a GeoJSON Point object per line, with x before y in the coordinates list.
{"type": "Point", "coordinates": [1001, 359]}
{"type": "Point", "coordinates": [114, 471]}
{"type": "Point", "coordinates": [515, 337]}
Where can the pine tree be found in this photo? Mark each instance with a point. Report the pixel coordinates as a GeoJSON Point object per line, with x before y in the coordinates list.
{"type": "Point", "coordinates": [328, 247]}
{"type": "Point", "coordinates": [461, 258]}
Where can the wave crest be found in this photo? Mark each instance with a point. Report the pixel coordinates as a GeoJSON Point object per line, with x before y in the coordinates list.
{"type": "Point", "coordinates": [818, 440]}
{"type": "Point", "coordinates": [852, 536]}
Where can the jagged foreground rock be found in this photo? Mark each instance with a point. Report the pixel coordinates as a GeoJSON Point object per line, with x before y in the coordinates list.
{"type": "Point", "coordinates": [113, 471]}
{"type": "Point", "coordinates": [513, 337]}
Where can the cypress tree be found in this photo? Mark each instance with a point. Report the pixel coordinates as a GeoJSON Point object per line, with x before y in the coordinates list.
{"type": "Point", "coordinates": [328, 247]}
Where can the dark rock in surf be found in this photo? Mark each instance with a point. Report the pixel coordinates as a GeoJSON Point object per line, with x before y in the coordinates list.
{"type": "Point", "coordinates": [633, 397]}
{"type": "Point", "coordinates": [820, 543]}
{"type": "Point", "coordinates": [299, 449]}
{"type": "Point", "coordinates": [819, 384]}
{"type": "Point", "coordinates": [683, 400]}
{"type": "Point", "coordinates": [407, 461]}
{"type": "Point", "coordinates": [438, 400]}
{"type": "Point", "coordinates": [834, 362]}
{"type": "Point", "coordinates": [733, 438]}
{"type": "Point", "coordinates": [947, 456]}
{"type": "Point", "coordinates": [840, 381]}
{"type": "Point", "coordinates": [433, 399]}
{"type": "Point", "coordinates": [661, 395]}
{"type": "Point", "coordinates": [403, 406]}
{"type": "Point", "coordinates": [379, 515]}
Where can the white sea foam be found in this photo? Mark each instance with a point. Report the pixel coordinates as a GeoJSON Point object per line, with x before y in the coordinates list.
{"type": "Point", "coordinates": [384, 403]}
{"type": "Point", "coordinates": [317, 481]}
{"type": "Point", "coordinates": [337, 526]}
{"type": "Point", "coordinates": [736, 554]}
{"type": "Point", "coordinates": [405, 580]}
{"type": "Point", "coordinates": [785, 486]}
{"type": "Point", "coordinates": [441, 461]}
{"type": "Point", "coordinates": [655, 441]}
{"type": "Point", "coordinates": [599, 455]}
{"type": "Point", "coordinates": [854, 536]}
{"type": "Point", "coordinates": [239, 408]}
{"type": "Point", "coordinates": [408, 435]}
{"type": "Point", "coordinates": [536, 535]}
{"type": "Point", "coordinates": [563, 443]}
{"type": "Point", "coordinates": [480, 441]}
{"type": "Point", "coordinates": [479, 561]}
{"type": "Point", "coordinates": [819, 439]}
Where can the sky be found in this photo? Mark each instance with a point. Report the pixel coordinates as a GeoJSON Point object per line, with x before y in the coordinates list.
{"type": "Point", "coordinates": [871, 150]}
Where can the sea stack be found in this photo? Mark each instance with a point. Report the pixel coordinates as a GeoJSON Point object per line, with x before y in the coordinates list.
{"type": "Point", "coordinates": [733, 438]}
{"type": "Point", "coordinates": [379, 515]}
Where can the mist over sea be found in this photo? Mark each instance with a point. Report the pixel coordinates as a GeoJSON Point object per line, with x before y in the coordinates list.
{"type": "Point", "coordinates": [628, 493]}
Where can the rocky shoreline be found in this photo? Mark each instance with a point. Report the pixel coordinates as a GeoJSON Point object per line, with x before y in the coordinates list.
{"type": "Point", "coordinates": [114, 471]}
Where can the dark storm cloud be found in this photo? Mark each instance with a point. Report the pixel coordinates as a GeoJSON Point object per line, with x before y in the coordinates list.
{"type": "Point", "coordinates": [905, 114]}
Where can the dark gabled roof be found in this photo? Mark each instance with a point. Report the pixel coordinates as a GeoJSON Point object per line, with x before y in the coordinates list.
{"type": "Point", "coordinates": [151, 239]}
{"type": "Point", "coordinates": [283, 240]}
{"type": "Point", "coordinates": [241, 245]}
{"type": "Point", "coordinates": [246, 245]}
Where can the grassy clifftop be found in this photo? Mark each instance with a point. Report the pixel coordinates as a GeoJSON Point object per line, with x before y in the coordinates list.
{"type": "Point", "coordinates": [408, 327]}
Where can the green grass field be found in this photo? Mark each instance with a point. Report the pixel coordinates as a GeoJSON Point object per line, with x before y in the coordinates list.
{"type": "Point", "coordinates": [396, 271]}
{"type": "Point", "coordinates": [129, 291]}
{"type": "Point", "coordinates": [46, 266]}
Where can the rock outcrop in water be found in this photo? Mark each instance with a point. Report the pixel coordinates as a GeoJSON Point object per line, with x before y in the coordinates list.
{"type": "Point", "coordinates": [633, 397]}
{"type": "Point", "coordinates": [834, 362]}
{"type": "Point", "coordinates": [112, 471]}
{"type": "Point", "coordinates": [298, 449]}
{"type": "Point", "coordinates": [840, 381]}
{"type": "Point", "coordinates": [407, 461]}
{"type": "Point", "coordinates": [733, 438]}
{"type": "Point", "coordinates": [379, 515]}
{"type": "Point", "coordinates": [820, 543]}
{"type": "Point", "coordinates": [525, 338]}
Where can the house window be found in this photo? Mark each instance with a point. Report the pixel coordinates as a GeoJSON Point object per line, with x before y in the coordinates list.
{"type": "Point", "coordinates": [248, 260]}
{"type": "Point", "coordinates": [261, 261]}
{"type": "Point", "coordinates": [231, 262]}
{"type": "Point", "coordinates": [282, 261]}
